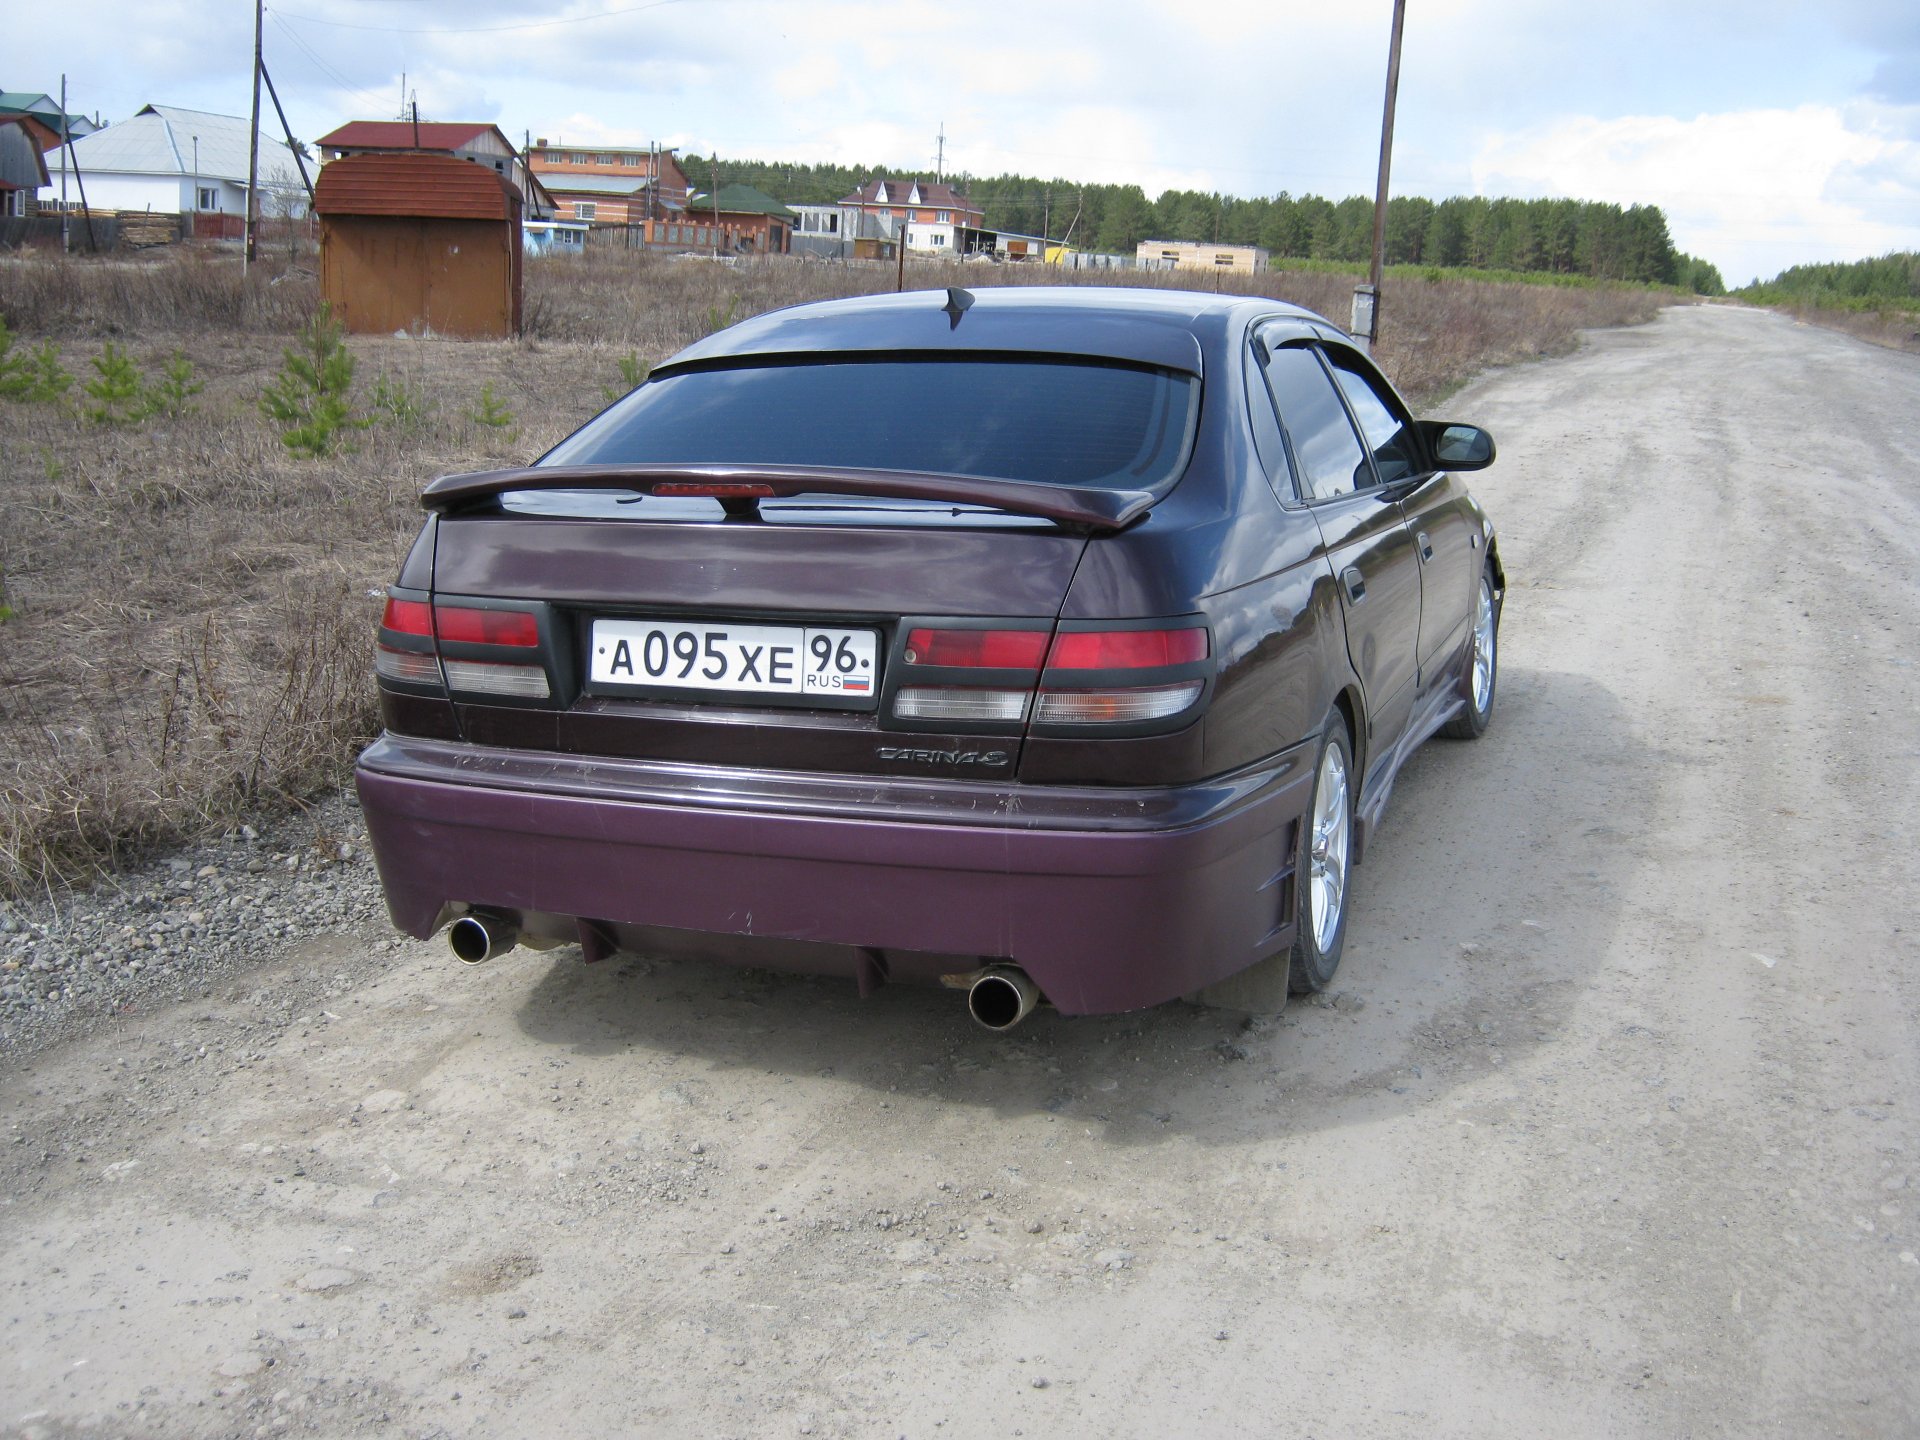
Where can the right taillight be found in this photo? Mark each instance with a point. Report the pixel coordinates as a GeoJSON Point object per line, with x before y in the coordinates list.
{"type": "Point", "coordinates": [1105, 676]}
{"type": "Point", "coordinates": [1091, 677]}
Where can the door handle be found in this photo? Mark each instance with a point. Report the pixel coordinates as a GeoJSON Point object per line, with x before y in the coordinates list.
{"type": "Point", "coordinates": [1356, 584]}
{"type": "Point", "coordinates": [1426, 546]}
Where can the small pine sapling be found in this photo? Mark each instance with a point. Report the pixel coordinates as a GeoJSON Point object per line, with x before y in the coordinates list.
{"type": "Point", "coordinates": [115, 388]}
{"type": "Point", "coordinates": [312, 395]}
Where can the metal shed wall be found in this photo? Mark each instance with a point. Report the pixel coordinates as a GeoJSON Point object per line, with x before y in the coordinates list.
{"type": "Point", "coordinates": [419, 242]}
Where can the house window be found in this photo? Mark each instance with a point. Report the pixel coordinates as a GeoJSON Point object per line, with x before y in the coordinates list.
{"type": "Point", "coordinates": [13, 203]}
{"type": "Point", "coordinates": [584, 209]}
{"type": "Point", "coordinates": [629, 159]}
{"type": "Point", "coordinates": [946, 217]}
{"type": "Point", "coordinates": [209, 198]}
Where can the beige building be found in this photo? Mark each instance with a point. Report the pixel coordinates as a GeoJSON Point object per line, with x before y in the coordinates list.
{"type": "Point", "coordinates": [1185, 255]}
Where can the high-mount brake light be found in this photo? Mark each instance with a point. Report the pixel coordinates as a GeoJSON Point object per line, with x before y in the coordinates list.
{"type": "Point", "coordinates": [716, 490]}
{"type": "Point", "coordinates": [977, 649]}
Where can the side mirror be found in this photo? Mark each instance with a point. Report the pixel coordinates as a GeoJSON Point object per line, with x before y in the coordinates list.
{"type": "Point", "coordinates": [1459, 447]}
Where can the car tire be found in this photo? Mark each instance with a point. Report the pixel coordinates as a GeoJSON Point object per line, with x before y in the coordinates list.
{"type": "Point", "coordinates": [1323, 865]}
{"type": "Point", "coordinates": [1481, 677]}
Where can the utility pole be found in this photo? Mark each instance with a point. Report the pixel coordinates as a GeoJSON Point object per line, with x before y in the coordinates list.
{"type": "Point", "coordinates": [1366, 298]}
{"type": "Point", "coordinates": [940, 156]}
{"type": "Point", "coordinates": [196, 189]}
{"type": "Point", "coordinates": [66, 127]}
{"type": "Point", "coordinates": [253, 143]}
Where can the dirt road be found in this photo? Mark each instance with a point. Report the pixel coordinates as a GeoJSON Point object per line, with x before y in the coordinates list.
{"type": "Point", "coordinates": [1610, 1128]}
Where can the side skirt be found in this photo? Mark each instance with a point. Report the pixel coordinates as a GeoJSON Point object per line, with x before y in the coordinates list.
{"type": "Point", "coordinates": [1438, 704]}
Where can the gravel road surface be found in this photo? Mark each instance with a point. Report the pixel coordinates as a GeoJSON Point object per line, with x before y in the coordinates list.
{"type": "Point", "coordinates": [1608, 1129]}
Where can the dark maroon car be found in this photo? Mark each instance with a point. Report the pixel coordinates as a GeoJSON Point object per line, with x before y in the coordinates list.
{"type": "Point", "coordinates": [1057, 645]}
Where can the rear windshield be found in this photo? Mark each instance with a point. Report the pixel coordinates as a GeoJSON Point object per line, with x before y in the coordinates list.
{"type": "Point", "coordinates": [1057, 422]}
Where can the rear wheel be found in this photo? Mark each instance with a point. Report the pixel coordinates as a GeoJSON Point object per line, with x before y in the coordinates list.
{"type": "Point", "coordinates": [1482, 666]}
{"type": "Point", "coordinates": [1322, 859]}
{"type": "Point", "coordinates": [1323, 866]}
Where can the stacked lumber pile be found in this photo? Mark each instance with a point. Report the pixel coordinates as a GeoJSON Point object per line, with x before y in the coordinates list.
{"type": "Point", "coordinates": [142, 229]}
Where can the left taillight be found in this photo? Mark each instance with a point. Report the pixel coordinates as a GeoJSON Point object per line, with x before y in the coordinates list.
{"type": "Point", "coordinates": [462, 648]}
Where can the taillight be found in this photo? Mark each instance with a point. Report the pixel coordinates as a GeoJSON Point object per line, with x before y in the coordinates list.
{"type": "Point", "coordinates": [978, 649]}
{"type": "Point", "coordinates": [1113, 677]}
{"type": "Point", "coordinates": [485, 627]}
{"type": "Point", "coordinates": [1126, 649]}
{"type": "Point", "coordinates": [970, 675]}
{"type": "Point", "coordinates": [414, 632]}
{"type": "Point", "coordinates": [1090, 675]}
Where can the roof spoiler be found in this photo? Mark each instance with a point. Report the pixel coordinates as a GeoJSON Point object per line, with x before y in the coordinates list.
{"type": "Point", "coordinates": [1080, 507]}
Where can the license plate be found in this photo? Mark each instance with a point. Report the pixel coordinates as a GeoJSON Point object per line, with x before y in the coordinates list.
{"type": "Point", "coordinates": [808, 662]}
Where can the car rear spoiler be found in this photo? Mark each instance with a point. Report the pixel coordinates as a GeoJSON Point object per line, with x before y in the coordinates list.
{"type": "Point", "coordinates": [1077, 506]}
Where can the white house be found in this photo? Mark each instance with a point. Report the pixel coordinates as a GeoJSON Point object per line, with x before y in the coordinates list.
{"type": "Point", "coordinates": [170, 161]}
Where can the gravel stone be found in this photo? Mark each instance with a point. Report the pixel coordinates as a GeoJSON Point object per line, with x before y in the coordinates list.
{"type": "Point", "coordinates": [162, 930]}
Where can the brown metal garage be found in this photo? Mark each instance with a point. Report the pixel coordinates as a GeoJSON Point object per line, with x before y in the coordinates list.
{"type": "Point", "coordinates": [419, 243]}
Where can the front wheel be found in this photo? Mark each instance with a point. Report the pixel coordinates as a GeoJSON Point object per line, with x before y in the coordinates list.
{"type": "Point", "coordinates": [1323, 866]}
{"type": "Point", "coordinates": [1482, 666]}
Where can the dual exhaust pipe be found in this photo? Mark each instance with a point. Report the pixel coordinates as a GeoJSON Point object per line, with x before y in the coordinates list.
{"type": "Point", "coordinates": [998, 997]}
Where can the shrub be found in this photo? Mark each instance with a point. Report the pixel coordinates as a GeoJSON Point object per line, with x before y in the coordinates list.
{"type": "Point", "coordinates": [36, 376]}
{"type": "Point", "coordinates": [173, 392]}
{"type": "Point", "coordinates": [116, 389]}
{"type": "Point", "coordinates": [397, 402]}
{"type": "Point", "coordinates": [312, 396]}
{"type": "Point", "coordinates": [633, 373]}
{"type": "Point", "coordinates": [492, 413]}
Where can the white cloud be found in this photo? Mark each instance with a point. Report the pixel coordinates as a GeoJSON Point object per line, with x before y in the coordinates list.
{"type": "Point", "coordinates": [1753, 191]}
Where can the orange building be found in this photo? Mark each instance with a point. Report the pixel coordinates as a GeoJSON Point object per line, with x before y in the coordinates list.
{"type": "Point", "coordinates": [609, 186]}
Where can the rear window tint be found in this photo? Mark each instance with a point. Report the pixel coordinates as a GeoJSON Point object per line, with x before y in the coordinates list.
{"type": "Point", "coordinates": [1049, 421]}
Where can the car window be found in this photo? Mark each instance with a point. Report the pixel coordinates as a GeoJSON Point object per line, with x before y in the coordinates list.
{"type": "Point", "coordinates": [1324, 444]}
{"type": "Point", "coordinates": [1267, 440]}
{"type": "Point", "coordinates": [1389, 433]}
{"type": "Point", "coordinates": [1060, 422]}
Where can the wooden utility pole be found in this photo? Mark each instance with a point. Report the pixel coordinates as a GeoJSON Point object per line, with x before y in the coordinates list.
{"type": "Point", "coordinates": [253, 142]}
{"type": "Point", "coordinates": [1366, 300]}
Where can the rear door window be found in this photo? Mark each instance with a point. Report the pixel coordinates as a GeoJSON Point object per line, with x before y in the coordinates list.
{"type": "Point", "coordinates": [1052, 421]}
{"type": "Point", "coordinates": [1327, 451]}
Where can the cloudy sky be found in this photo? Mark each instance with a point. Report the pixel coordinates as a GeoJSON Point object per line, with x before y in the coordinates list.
{"type": "Point", "coordinates": [1772, 132]}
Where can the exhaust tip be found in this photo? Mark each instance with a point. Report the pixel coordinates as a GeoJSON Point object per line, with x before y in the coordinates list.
{"type": "Point", "coordinates": [1002, 997]}
{"type": "Point", "coordinates": [478, 938]}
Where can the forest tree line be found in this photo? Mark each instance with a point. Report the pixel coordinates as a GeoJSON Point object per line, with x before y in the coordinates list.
{"type": "Point", "coordinates": [1888, 282]}
{"type": "Point", "coordinates": [1562, 237]}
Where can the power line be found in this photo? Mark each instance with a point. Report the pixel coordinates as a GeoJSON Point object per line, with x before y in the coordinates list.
{"type": "Point", "coordinates": [481, 29]}
{"type": "Point", "coordinates": [345, 84]}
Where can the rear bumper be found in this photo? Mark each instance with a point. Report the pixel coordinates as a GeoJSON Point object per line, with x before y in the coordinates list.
{"type": "Point", "coordinates": [1111, 899]}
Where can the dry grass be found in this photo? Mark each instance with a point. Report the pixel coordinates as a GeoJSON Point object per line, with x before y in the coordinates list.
{"type": "Point", "coordinates": [1896, 329]}
{"type": "Point", "coordinates": [195, 606]}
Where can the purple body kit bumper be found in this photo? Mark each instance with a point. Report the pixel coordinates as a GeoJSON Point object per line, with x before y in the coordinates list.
{"type": "Point", "coordinates": [1111, 899]}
